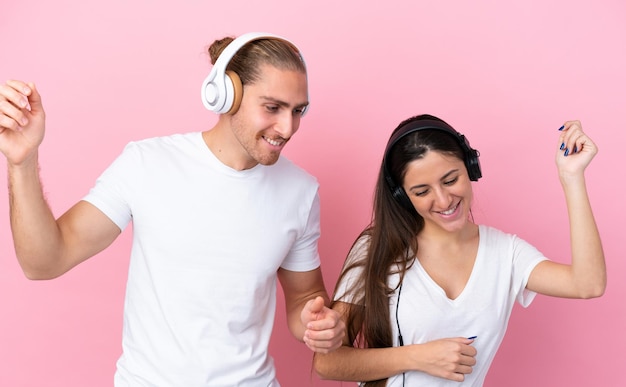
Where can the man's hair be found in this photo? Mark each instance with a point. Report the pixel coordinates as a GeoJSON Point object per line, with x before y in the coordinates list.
{"type": "Point", "coordinates": [248, 60]}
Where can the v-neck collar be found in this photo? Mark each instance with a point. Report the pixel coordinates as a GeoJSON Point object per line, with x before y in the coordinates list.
{"type": "Point", "coordinates": [470, 281]}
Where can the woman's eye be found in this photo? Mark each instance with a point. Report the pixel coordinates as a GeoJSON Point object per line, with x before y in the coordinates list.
{"type": "Point", "coordinates": [451, 181]}
{"type": "Point", "coordinates": [420, 193]}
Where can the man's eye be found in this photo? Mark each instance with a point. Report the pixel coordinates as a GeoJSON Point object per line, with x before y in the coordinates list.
{"type": "Point", "coordinates": [271, 108]}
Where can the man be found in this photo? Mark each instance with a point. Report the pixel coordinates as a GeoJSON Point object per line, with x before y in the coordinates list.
{"type": "Point", "coordinates": [217, 217]}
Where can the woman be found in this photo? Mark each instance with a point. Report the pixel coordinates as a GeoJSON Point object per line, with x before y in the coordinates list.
{"type": "Point", "coordinates": [425, 292]}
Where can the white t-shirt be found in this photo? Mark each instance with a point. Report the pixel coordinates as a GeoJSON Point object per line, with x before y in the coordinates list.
{"type": "Point", "coordinates": [207, 242]}
{"type": "Point", "coordinates": [499, 277]}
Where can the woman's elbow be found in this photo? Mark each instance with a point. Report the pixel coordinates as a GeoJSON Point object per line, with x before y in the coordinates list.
{"type": "Point", "coordinates": [321, 363]}
{"type": "Point", "coordinates": [594, 289]}
{"type": "Point", "coordinates": [594, 292]}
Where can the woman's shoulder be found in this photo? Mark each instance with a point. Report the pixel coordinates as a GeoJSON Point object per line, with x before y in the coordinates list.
{"type": "Point", "coordinates": [486, 230]}
{"type": "Point", "coordinates": [491, 236]}
{"type": "Point", "coordinates": [359, 248]}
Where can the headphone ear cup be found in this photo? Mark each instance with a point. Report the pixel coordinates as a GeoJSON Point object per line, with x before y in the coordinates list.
{"type": "Point", "coordinates": [210, 92]}
{"type": "Point", "coordinates": [215, 93]}
{"type": "Point", "coordinates": [237, 91]}
{"type": "Point", "coordinates": [219, 92]}
{"type": "Point", "coordinates": [473, 165]}
{"type": "Point", "coordinates": [401, 197]}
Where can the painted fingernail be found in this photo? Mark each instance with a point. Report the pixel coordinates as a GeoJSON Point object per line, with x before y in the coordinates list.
{"type": "Point", "coordinates": [566, 152]}
{"type": "Point", "coordinates": [562, 145]}
{"type": "Point", "coordinates": [575, 149]}
{"type": "Point", "coordinates": [562, 127]}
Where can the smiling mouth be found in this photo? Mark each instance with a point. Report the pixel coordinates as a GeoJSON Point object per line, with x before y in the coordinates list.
{"type": "Point", "coordinates": [450, 211]}
{"type": "Point", "coordinates": [274, 142]}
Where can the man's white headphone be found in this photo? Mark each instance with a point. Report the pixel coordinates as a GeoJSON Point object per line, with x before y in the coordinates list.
{"type": "Point", "coordinates": [222, 90]}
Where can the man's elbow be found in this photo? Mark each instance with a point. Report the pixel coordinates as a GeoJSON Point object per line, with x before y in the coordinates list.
{"type": "Point", "coordinates": [38, 276]}
{"type": "Point", "coordinates": [40, 272]}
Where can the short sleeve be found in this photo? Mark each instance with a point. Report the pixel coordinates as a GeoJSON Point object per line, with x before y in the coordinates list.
{"type": "Point", "coordinates": [110, 193]}
{"type": "Point", "coordinates": [304, 254]}
{"type": "Point", "coordinates": [525, 258]}
{"type": "Point", "coordinates": [347, 287]}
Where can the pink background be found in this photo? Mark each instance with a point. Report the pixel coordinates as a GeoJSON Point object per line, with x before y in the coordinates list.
{"type": "Point", "coordinates": [507, 74]}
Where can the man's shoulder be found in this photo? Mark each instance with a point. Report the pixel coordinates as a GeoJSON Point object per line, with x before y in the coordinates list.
{"type": "Point", "coordinates": [166, 140]}
{"type": "Point", "coordinates": [166, 143]}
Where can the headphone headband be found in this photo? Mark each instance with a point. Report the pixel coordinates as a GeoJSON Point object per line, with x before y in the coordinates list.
{"type": "Point", "coordinates": [229, 52]}
{"type": "Point", "coordinates": [222, 90]}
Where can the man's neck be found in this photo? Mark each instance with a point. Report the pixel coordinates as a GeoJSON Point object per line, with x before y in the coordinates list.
{"type": "Point", "coordinates": [223, 144]}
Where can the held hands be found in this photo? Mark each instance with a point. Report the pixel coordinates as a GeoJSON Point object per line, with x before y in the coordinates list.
{"type": "Point", "coordinates": [324, 328]}
{"type": "Point", "coordinates": [576, 150]}
{"type": "Point", "coordinates": [22, 121]}
{"type": "Point", "coordinates": [451, 358]}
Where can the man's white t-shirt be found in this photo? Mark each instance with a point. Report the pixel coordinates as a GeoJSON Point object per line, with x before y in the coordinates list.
{"type": "Point", "coordinates": [207, 243]}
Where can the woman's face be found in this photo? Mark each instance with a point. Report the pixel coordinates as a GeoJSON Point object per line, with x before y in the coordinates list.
{"type": "Point", "coordinates": [439, 188]}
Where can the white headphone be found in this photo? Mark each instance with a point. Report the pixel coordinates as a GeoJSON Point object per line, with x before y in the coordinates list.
{"type": "Point", "coordinates": [222, 90]}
